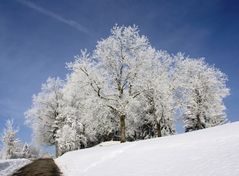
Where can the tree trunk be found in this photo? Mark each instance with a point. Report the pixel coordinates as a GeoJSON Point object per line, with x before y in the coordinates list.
{"type": "Point", "coordinates": [159, 129]}
{"type": "Point", "coordinates": [199, 124]}
{"type": "Point", "coordinates": [122, 128]}
{"type": "Point", "coordinates": [57, 149]}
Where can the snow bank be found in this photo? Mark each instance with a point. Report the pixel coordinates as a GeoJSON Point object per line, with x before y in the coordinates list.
{"type": "Point", "coordinates": [7, 167]}
{"type": "Point", "coordinates": [208, 152]}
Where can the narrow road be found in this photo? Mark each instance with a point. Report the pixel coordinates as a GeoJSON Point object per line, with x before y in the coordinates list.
{"type": "Point", "coordinates": [44, 167]}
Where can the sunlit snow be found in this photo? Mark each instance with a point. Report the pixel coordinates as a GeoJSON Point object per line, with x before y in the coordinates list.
{"type": "Point", "coordinates": [213, 151]}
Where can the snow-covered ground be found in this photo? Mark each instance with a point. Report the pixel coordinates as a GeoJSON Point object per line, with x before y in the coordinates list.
{"type": "Point", "coordinates": [209, 152]}
{"type": "Point", "coordinates": [7, 167]}
{"type": "Point", "coordinates": [108, 143]}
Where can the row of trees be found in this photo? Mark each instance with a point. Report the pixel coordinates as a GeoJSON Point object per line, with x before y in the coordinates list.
{"type": "Point", "coordinates": [12, 147]}
{"type": "Point", "coordinates": [126, 90]}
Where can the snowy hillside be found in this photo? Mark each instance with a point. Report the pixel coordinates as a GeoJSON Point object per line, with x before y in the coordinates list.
{"type": "Point", "coordinates": [209, 152]}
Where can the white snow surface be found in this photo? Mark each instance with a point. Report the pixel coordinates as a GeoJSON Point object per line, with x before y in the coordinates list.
{"type": "Point", "coordinates": [209, 152]}
{"type": "Point", "coordinates": [108, 143]}
{"type": "Point", "coordinates": [8, 167]}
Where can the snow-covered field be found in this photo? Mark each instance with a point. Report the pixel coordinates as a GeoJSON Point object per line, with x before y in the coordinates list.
{"type": "Point", "coordinates": [209, 152]}
{"type": "Point", "coordinates": [7, 167]}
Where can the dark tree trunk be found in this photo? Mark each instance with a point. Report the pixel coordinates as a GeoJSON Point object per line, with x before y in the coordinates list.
{"type": "Point", "coordinates": [57, 149]}
{"type": "Point", "coordinates": [199, 125]}
{"type": "Point", "coordinates": [159, 129]}
{"type": "Point", "coordinates": [122, 129]}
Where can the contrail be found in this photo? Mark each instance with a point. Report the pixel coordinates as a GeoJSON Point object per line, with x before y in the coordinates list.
{"type": "Point", "coordinates": [58, 17]}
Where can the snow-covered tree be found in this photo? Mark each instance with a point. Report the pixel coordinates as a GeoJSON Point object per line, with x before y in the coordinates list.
{"type": "Point", "coordinates": [203, 88]}
{"type": "Point", "coordinates": [10, 141]}
{"type": "Point", "coordinates": [160, 96]}
{"type": "Point", "coordinates": [113, 68]}
{"type": "Point", "coordinates": [78, 106]}
{"type": "Point", "coordinates": [125, 89]}
{"type": "Point", "coordinates": [42, 116]}
{"type": "Point", "coordinates": [158, 104]}
{"type": "Point", "coordinates": [26, 152]}
{"type": "Point", "coordinates": [71, 137]}
{"type": "Point", "coordinates": [70, 134]}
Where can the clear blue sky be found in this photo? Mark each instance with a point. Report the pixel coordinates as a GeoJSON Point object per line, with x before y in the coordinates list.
{"type": "Point", "coordinates": [38, 37]}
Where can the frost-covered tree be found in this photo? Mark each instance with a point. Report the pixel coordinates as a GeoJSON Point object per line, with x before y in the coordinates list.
{"type": "Point", "coordinates": [26, 152]}
{"type": "Point", "coordinates": [157, 107]}
{"type": "Point", "coordinates": [158, 95]}
{"type": "Point", "coordinates": [71, 137]}
{"type": "Point", "coordinates": [42, 116]}
{"type": "Point", "coordinates": [29, 151]}
{"type": "Point", "coordinates": [113, 68]}
{"type": "Point", "coordinates": [83, 105]}
{"type": "Point", "coordinates": [10, 141]}
{"type": "Point", "coordinates": [70, 134]}
{"type": "Point", "coordinates": [125, 89]}
{"type": "Point", "coordinates": [203, 88]}
{"type": "Point", "coordinates": [79, 106]}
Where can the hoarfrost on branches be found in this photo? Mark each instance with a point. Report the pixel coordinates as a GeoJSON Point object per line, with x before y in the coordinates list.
{"type": "Point", "coordinates": [10, 141]}
{"type": "Point", "coordinates": [42, 116]}
{"type": "Point", "coordinates": [126, 90]}
{"type": "Point", "coordinates": [204, 89]}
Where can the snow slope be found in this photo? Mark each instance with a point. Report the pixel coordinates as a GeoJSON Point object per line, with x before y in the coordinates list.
{"type": "Point", "coordinates": [7, 167]}
{"type": "Point", "coordinates": [208, 152]}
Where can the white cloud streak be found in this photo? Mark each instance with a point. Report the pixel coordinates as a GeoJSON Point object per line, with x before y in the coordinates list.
{"type": "Point", "coordinates": [53, 15]}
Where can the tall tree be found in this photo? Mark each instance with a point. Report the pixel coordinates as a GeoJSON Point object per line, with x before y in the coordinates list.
{"type": "Point", "coordinates": [204, 88]}
{"type": "Point", "coordinates": [82, 106]}
{"type": "Point", "coordinates": [113, 69]}
{"type": "Point", "coordinates": [10, 141]}
{"type": "Point", "coordinates": [42, 116]}
{"type": "Point", "coordinates": [158, 95]}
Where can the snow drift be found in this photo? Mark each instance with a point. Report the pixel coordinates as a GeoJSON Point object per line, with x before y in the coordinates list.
{"type": "Point", "coordinates": [213, 151]}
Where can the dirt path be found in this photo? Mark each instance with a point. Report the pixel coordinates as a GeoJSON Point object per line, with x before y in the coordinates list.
{"type": "Point", "coordinates": [44, 167]}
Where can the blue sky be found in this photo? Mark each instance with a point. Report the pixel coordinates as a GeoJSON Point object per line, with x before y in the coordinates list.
{"type": "Point", "coordinates": [38, 37]}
